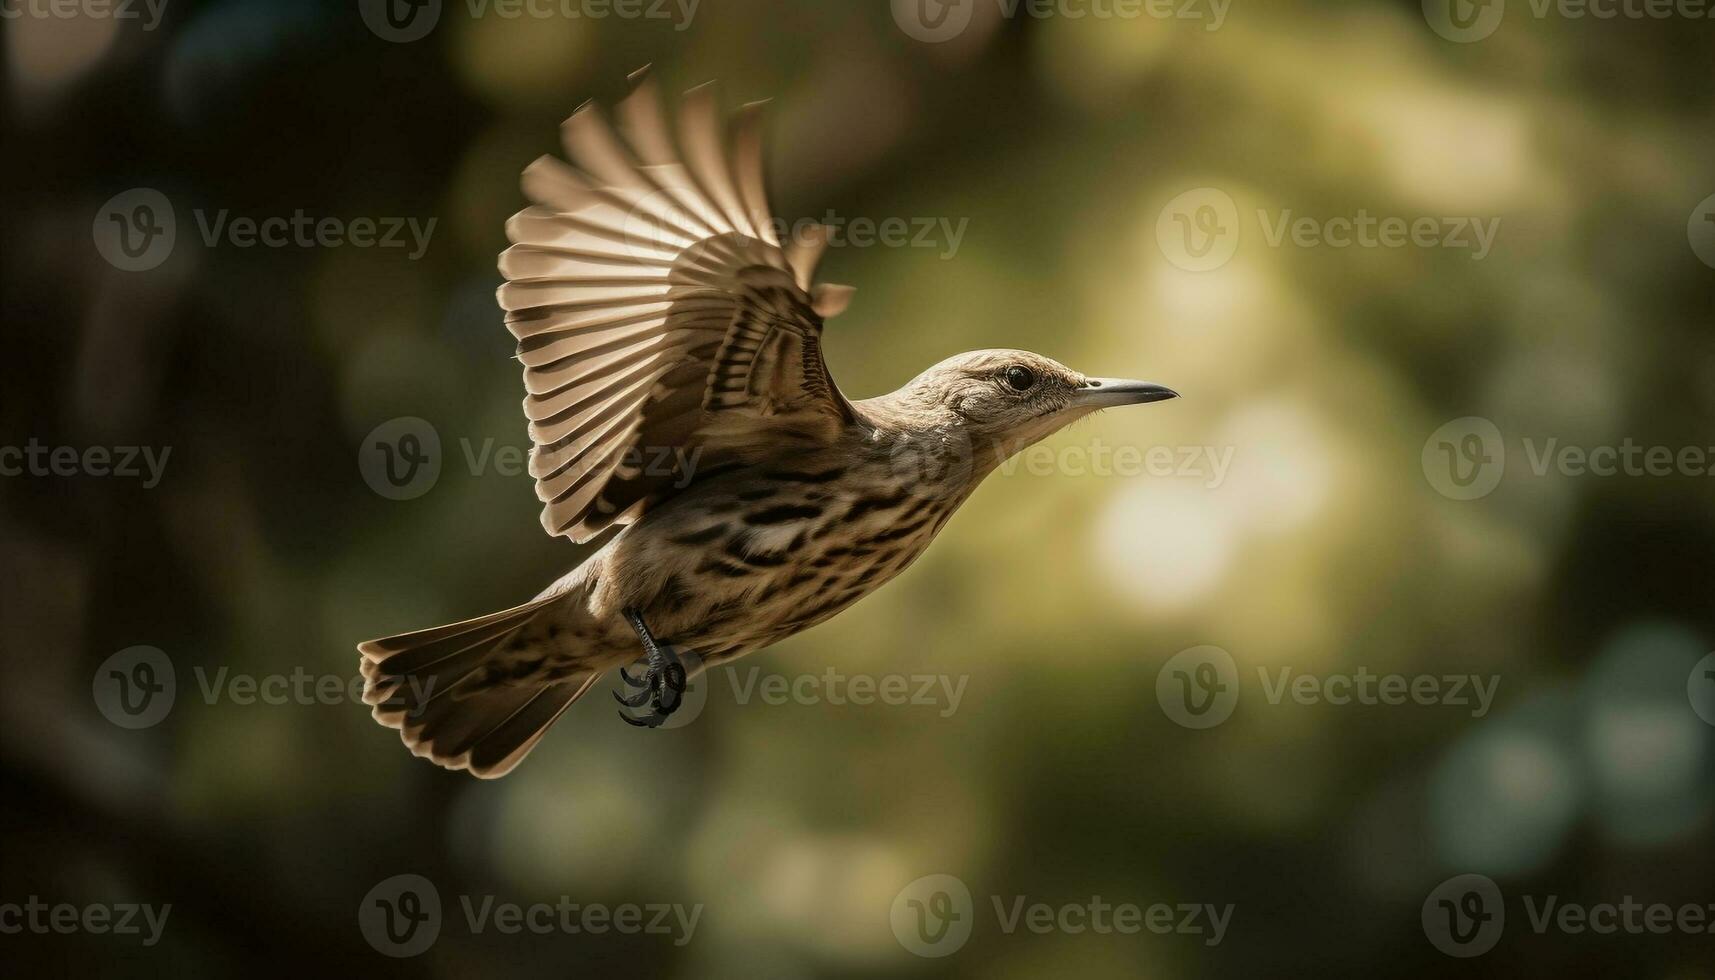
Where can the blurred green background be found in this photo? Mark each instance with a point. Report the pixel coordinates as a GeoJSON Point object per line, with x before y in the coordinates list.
{"type": "Point", "coordinates": [1055, 597]}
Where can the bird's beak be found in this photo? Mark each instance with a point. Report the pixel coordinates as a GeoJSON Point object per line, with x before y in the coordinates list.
{"type": "Point", "coordinates": [1113, 392]}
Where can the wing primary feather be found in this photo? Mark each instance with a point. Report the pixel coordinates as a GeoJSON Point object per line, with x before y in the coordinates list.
{"type": "Point", "coordinates": [590, 143]}
{"type": "Point", "coordinates": [701, 133]}
{"type": "Point", "coordinates": [747, 167]}
{"type": "Point", "coordinates": [557, 185]}
{"type": "Point", "coordinates": [644, 125]}
{"type": "Point", "coordinates": [804, 253]}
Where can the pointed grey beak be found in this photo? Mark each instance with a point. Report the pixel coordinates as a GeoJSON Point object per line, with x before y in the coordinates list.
{"type": "Point", "coordinates": [1112, 392]}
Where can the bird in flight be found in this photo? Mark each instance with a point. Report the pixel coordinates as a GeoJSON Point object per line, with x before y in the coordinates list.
{"type": "Point", "coordinates": [671, 342]}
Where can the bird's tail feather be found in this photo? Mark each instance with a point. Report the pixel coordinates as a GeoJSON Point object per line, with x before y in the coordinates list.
{"type": "Point", "coordinates": [424, 684]}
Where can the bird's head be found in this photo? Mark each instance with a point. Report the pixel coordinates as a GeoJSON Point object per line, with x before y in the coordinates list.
{"type": "Point", "coordinates": [1011, 399]}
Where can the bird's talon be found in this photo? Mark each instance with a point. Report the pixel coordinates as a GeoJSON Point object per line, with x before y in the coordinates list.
{"type": "Point", "coordinates": [652, 721]}
{"type": "Point", "coordinates": [635, 701]}
{"type": "Point", "coordinates": [667, 701]}
{"type": "Point", "coordinates": [663, 682]}
{"type": "Point", "coordinates": [661, 687]}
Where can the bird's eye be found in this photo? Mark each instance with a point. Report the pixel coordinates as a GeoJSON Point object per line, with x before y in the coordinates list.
{"type": "Point", "coordinates": [1020, 378]}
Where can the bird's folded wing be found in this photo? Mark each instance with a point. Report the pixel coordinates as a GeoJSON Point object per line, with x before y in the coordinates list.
{"type": "Point", "coordinates": [665, 333]}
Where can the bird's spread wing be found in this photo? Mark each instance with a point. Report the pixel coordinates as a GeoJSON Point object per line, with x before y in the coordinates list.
{"type": "Point", "coordinates": [665, 333]}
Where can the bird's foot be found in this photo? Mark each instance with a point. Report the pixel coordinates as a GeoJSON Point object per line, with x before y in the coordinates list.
{"type": "Point", "coordinates": [662, 686]}
{"type": "Point", "coordinates": [661, 689]}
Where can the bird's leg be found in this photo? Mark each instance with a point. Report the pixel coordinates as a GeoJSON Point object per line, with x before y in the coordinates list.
{"type": "Point", "coordinates": [662, 685]}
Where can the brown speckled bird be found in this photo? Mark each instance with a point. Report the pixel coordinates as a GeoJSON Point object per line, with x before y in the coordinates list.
{"type": "Point", "coordinates": [676, 390]}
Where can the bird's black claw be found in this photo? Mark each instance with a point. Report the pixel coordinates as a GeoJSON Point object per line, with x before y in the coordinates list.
{"type": "Point", "coordinates": [637, 700]}
{"type": "Point", "coordinates": [649, 721]}
{"type": "Point", "coordinates": [661, 688]}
